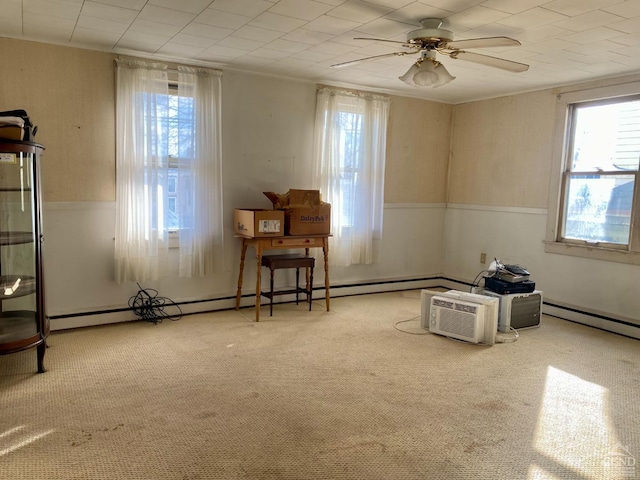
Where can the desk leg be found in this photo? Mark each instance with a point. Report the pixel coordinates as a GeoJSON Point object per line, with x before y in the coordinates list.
{"type": "Point", "coordinates": [325, 250]}
{"type": "Point", "coordinates": [258, 275]}
{"type": "Point", "coordinates": [240, 275]}
{"type": "Point", "coordinates": [306, 276]}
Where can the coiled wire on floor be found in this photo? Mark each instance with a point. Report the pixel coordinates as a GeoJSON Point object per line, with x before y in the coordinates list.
{"type": "Point", "coordinates": [149, 306]}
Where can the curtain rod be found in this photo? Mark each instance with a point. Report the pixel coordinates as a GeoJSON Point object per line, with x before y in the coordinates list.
{"type": "Point", "coordinates": [168, 66]}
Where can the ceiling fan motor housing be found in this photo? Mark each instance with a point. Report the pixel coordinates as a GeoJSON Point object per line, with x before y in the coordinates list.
{"type": "Point", "coordinates": [430, 33]}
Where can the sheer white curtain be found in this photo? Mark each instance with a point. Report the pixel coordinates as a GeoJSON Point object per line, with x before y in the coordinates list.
{"type": "Point", "coordinates": [201, 242]}
{"type": "Point", "coordinates": [349, 162]}
{"type": "Point", "coordinates": [168, 171]}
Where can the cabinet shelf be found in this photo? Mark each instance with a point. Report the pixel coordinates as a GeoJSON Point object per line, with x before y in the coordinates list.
{"type": "Point", "coordinates": [15, 238]}
{"type": "Point", "coordinates": [18, 325]}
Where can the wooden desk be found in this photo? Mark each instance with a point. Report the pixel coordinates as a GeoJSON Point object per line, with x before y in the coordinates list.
{"type": "Point", "coordinates": [281, 243]}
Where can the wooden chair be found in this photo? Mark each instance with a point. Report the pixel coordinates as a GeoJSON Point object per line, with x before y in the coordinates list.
{"type": "Point", "coordinates": [297, 261]}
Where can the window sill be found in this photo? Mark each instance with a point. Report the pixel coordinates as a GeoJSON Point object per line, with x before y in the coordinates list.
{"type": "Point", "coordinates": [593, 252]}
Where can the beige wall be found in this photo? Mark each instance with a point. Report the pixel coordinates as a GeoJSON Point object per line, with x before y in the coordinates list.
{"type": "Point", "coordinates": [417, 151]}
{"type": "Point", "coordinates": [69, 95]}
{"type": "Point", "coordinates": [502, 151]}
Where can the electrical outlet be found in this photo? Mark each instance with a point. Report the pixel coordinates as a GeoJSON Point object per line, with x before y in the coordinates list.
{"type": "Point", "coordinates": [483, 258]}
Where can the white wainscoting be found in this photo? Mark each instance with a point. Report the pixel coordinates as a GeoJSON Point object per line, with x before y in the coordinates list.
{"type": "Point", "coordinates": [597, 293]}
{"type": "Point", "coordinates": [81, 288]}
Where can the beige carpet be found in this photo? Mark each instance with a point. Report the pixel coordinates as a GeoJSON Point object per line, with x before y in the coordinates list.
{"type": "Point", "coordinates": [321, 395]}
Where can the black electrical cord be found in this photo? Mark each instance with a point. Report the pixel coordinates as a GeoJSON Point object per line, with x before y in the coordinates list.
{"type": "Point", "coordinates": [150, 307]}
{"type": "Point", "coordinates": [476, 281]}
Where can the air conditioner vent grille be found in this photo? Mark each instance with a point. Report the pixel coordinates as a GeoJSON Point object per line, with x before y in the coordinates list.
{"type": "Point", "coordinates": [457, 322]}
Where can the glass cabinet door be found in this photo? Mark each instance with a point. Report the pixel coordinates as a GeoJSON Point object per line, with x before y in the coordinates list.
{"type": "Point", "coordinates": [18, 300]}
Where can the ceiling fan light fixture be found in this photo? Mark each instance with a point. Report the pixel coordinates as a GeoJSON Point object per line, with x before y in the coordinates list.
{"type": "Point", "coordinates": [426, 76]}
{"type": "Point", "coordinates": [408, 76]}
{"type": "Point", "coordinates": [427, 73]}
{"type": "Point", "coordinates": [444, 76]}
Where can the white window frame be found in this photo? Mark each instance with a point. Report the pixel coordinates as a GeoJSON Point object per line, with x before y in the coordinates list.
{"type": "Point", "coordinates": [562, 142]}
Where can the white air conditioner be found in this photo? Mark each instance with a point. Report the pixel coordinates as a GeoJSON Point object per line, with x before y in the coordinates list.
{"type": "Point", "coordinates": [518, 310]}
{"type": "Point", "coordinates": [464, 316]}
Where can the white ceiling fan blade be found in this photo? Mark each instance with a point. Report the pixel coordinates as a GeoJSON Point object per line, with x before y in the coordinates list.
{"type": "Point", "coordinates": [368, 59]}
{"type": "Point", "coordinates": [406, 44]}
{"type": "Point", "coordinates": [489, 61]}
{"type": "Point", "coordinates": [481, 43]}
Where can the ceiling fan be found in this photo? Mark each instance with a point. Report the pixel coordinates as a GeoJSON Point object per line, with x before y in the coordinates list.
{"type": "Point", "coordinates": [431, 39]}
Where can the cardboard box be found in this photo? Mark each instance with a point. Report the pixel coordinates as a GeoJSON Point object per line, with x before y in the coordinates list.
{"type": "Point", "coordinates": [304, 212]}
{"type": "Point", "coordinates": [258, 222]}
{"type": "Point", "coordinates": [314, 220]}
{"type": "Point", "coordinates": [298, 198]}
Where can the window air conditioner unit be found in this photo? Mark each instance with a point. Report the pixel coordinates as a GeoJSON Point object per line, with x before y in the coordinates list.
{"type": "Point", "coordinates": [465, 316]}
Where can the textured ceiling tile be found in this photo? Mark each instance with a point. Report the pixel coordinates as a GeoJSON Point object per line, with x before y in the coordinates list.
{"type": "Point", "coordinates": [475, 17]}
{"type": "Point", "coordinates": [189, 6]}
{"type": "Point", "coordinates": [573, 8]}
{"type": "Point", "coordinates": [69, 11]}
{"type": "Point", "coordinates": [359, 11]}
{"type": "Point", "coordinates": [628, 9]}
{"type": "Point", "coordinates": [286, 46]}
{"type": "Point", "coordinates": [250, 8]}
{"type": "Point", "coordinates": [628, 40]}
{"type": "Point", "coordinates": [165, 15]}
{"type": "Point", "coordinates": [303, 35]}
{"type": "Point", "coordinates": [513, 6]}
{"type": "Point", "coordinates": [135, 4]}
{"type": "Point", "coordinates": [302, 9]}
{"type": "Point", "coordinates": [385, 28]}
{"type": "Point", "coordinates": [192, 40]}
{"type": "Point", "coordinates": [331, 25]}
{"type": "Point", "coordinates": [254, 33]}
{"type": "Point", "coordinates": [588, 21]}
{"type": "Point", "coordinates": [154, 28]}
{"type": "Point", "coordinates": [219, 18]}
{"type": "Point", "coordinates": [208, 31]}
{"type": "Point", "coordinates": [532, 18]}
{"type": "Point", "coordinates": [273, 21]}
{"type": "Point", "coordinates": [592, 35]}
{"type": "Point", "coordinates": [630, 25]}
{"type": "Point", "coordinates": [102, 25]}
{"type": "Point", "coordinates": [241, 43]}
{"type": "Point", "coordinates": [108, 12]}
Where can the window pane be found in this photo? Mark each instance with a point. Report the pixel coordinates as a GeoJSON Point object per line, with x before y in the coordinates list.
{"type": "Point", "coordinates": [607, 137]}
{"type": "Point", "coordinates": [598, 208]}
{"type": "Point", "coordinates": [350, 131]}
{"type": "Point", "coordinates": [180, 127]}
{"type": "Point", "coordinates": [172, 214]}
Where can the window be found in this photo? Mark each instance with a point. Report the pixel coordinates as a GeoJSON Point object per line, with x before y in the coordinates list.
{"type": "Point", "coordinates": [168, 170]}
{"type": "Point", "coordinates": [598, 207]}
{"type": "Point", "coordinates": [349, 159]}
